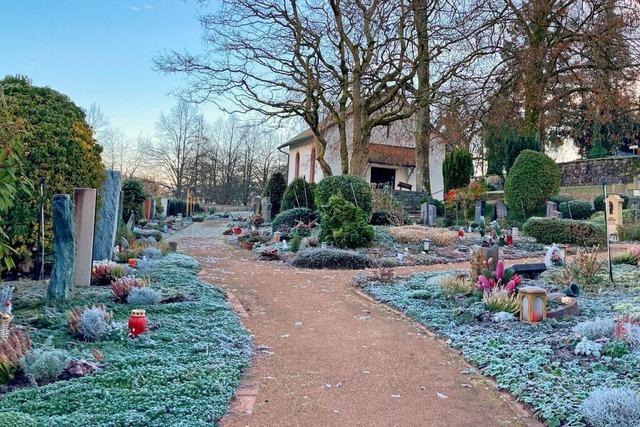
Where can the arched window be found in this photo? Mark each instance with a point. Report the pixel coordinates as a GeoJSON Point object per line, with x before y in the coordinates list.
{"type": "Point", "coordinates": [312, 165]}
{"type": "Point", "coordinates": [610, 208]}
{"type": "Point", "coordinates": [297, 166]}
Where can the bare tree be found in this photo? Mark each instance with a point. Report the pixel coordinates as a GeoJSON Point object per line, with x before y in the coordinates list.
{"type": "Point", "coordinates": [177, 142]}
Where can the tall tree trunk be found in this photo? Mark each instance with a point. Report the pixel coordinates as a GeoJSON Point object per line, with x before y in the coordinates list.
{"type": "Point", "coordinates": [360, 143]}
{"type": "Point", "coordinates": [423, 114]}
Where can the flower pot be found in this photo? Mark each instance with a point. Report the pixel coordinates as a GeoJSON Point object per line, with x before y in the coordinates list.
{"type": "Point", "coordinates": [137, 322]}
{"type": "Point", "coordinates": [247, 245]}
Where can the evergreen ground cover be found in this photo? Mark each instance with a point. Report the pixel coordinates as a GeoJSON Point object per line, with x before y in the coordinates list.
{"type": "Point", "coordinates": [182, 372]}
{"type": "Point", "coordinates": [535, 363]}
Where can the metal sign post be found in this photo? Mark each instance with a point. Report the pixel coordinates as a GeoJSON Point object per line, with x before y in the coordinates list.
{"type": "Point", "coordinates": [603, 184]}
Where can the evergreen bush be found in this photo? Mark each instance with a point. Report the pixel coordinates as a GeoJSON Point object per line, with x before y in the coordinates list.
{"type": "Point", "coordinates": [274, 190]}
{"type": "Point", "coordinates": [57, 144]}
{"type": "Point", "coordinates": [299, 194]}
{"type": "Point", "coordinates": [576, 209]}
{"type": "Point", "coordinates": [44, 365]}
{"type": "Point", "coordinates": [598, 202]}
{"type": "Point", "coordinates": [457, 169]}
{"type": "Point", "coordinates": [344, 224]}
{"type": "Point", "coordinates": [289, 218]}
{"type": "Point", "coordinates": [352, 188]}
{"type": "Point", "coordinates": [331, 258]}
{"type": "Point", "coordinates": [533, 178]}
{"type": "Point", "coordinates": [555, 230]}
{"type": "Point", "coordinates": [133, 196]}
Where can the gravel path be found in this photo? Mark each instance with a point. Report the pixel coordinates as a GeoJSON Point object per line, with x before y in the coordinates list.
{"type": "Point", "coordinates": [325, 356]}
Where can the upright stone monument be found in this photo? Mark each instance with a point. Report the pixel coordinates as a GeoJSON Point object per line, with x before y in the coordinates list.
{"type": "Point", "coordinates": [64, 250]}
{"type": "Point", "coordinates": [107, 217]}
{"type": "Point", "coordinates": [479, 211]}
{"type": "Point", "coordinates": [432, 213]}
{"type": "Point", "coordinates": [552, 210]}
{"type": "Point", "coordinates": [164, 202]}
{"type": "Point", "coordinates": [84, 201]}
{"type": "Point", "coordinates": [424, 213]}
{"type": "Point", "coordinates": [266, 209]}
{"type": "Point", "coordinates": [614, 205]}
{"type": "Point", "coordinates": [501, 210]}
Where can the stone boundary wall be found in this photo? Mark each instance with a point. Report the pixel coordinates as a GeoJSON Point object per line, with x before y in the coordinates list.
{"type": "Point", "coordinates": [617, 170]}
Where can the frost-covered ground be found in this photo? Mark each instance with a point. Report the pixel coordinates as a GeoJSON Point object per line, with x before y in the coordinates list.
{"type": "Point", "coordinates": [535, 363]}
{"type": "Point", "coordinates": [183, 372]}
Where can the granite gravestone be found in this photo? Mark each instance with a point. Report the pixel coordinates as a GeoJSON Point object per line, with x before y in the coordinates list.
{"type": "Point", "coordinates": [107, 217]}
{"type": "Point", "coordinates": [64, 250]}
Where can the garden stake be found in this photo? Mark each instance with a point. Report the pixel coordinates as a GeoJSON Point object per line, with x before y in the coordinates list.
{"type": "Point", "coordinates": [603, 183]}
{"type": "Point", "coordinates": [41, 236]}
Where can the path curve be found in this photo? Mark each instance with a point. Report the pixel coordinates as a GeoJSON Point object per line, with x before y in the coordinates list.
{"type": "Point", "coordinates": [326, 356]}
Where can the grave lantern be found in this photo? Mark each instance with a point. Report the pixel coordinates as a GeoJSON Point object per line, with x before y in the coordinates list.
{"type": "Point", "coordinates": [137, 322]}
{"type": "Point", "coordinates": [532, 302]}
{"type": "Point", "coordinates": [426, 245]}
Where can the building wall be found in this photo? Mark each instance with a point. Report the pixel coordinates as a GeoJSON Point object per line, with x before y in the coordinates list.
{"type": "Point", "coordinates": [400, 133]}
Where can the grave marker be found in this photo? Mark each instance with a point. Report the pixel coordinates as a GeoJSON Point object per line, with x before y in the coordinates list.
{"type": "Point", "coordinates": [613, 205]}
{"type": "Point", "coordinates": [501, 210]}
{"type": "Point", "coordinates": [64, 249]}
{"type": "Point", "coordinates": [84, 201]}
{"type": "Point", "coordinates": [107, 217]}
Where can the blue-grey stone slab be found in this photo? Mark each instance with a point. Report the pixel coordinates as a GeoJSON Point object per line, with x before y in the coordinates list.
{"type": "Point", "coordinates": [64, 248]}
{"type": "Point", "coordinates": [107, 217]}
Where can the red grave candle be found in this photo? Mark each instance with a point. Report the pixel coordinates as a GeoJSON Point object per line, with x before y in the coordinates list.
{"type": "Point", "coordinates": [137, 322]}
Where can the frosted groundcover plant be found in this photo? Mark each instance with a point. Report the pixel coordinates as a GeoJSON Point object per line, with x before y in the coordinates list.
{"type": "Point", "coordinates": [535, 363]}
{"type": "Point", "coordinates": [182, 373]}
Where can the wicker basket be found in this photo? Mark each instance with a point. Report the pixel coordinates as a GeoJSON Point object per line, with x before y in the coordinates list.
{"type": "Point", "coordinates": [5, 325]}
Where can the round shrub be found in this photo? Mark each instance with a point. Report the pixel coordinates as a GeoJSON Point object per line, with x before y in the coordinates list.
{"type": "Point", "coordinates": [555, 230]}
{"type": "Point", "coordinates": [533, 178]}
{"type": "Point", "coordinates": [345, 225]}
{"type": "Point", "coordinates": [457, 169]}
{"type": "Point", "coordinates": [57, 144]}
{"type": "Point", "coordinates": [380, 218]}
{"type": "Point", "coordinates": [354, 189]}
{"type": "Point", "coordinates": [331, 258]}
{"type": "Point", "coordinates": [299, 194]}
{"type": "Point", "coordinates": [576, 209]}
{"type": "Point", "coordinates": [151, 253]}
{"type": "Point", "coordinates": [606, 407]}
{"type": "Point", "coordinates": [42, 366]}
{"type": "Point", "coordinates": [289, 218]}
{"type": "Point", "coordinates": [274, 190]}
{"type": "Point", "coordinates": [144, 296]}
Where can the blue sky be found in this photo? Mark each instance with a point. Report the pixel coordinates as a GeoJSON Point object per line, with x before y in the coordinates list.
{"type": "Point", "coordinates": [100, 51]}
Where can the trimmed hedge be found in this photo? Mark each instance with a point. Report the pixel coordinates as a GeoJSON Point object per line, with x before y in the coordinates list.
{"type": "Point", "coordinates": [290, 218]}
{"type": "Point", "coordinates": [532, 179]}
{"type": "Point", "coordinates": [331, 258]}
{"type": "Point", "coordinates": [554, 230]}
{"type": "Point", "coordinates": [576, 209]}
{"type": "Point", "coordinates": [354, 189]}
{"type": "Point", "coordinates": [299, 194]}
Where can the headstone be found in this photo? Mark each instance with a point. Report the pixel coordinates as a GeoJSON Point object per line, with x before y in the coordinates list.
{"type": "Point", "coordinates": [256, 204]}
{"type": "Point", "coordinates": [84, 201]}
{"type": "Point", "coordinates": [613, 206]}
{"type": "Point", "coordinates": [552, 210]}
{"type": "Point", "coordinates": [432, 213]}
{"type": "Point", "coordinates": [64, 250]}
{"type": "Point", "coordinates": [164, 202]}
{"type": "Point", "coordinates": [479, 211]}
{"type": "Point", "coordinates": [515, 233]}
{"type": "Point", "coordinates": [146, 207]}
{"type": "Point", "coordinates": [424, 213]}
{"type": "Point", "coordinates": [265, 209]}
{"type": "Point", "coordinates": [501, 210]}
{"type": "Point", "coordinates": [107, 217]}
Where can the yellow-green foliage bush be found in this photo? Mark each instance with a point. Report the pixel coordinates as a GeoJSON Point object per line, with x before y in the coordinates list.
{"type": "Point", "coordinates": [58, 145]}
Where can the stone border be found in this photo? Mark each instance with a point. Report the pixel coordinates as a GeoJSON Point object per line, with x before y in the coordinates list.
{"type": "Point", "coordinates": [519, 409]}
{"type": "Point", "coordinates": [244, 398]}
